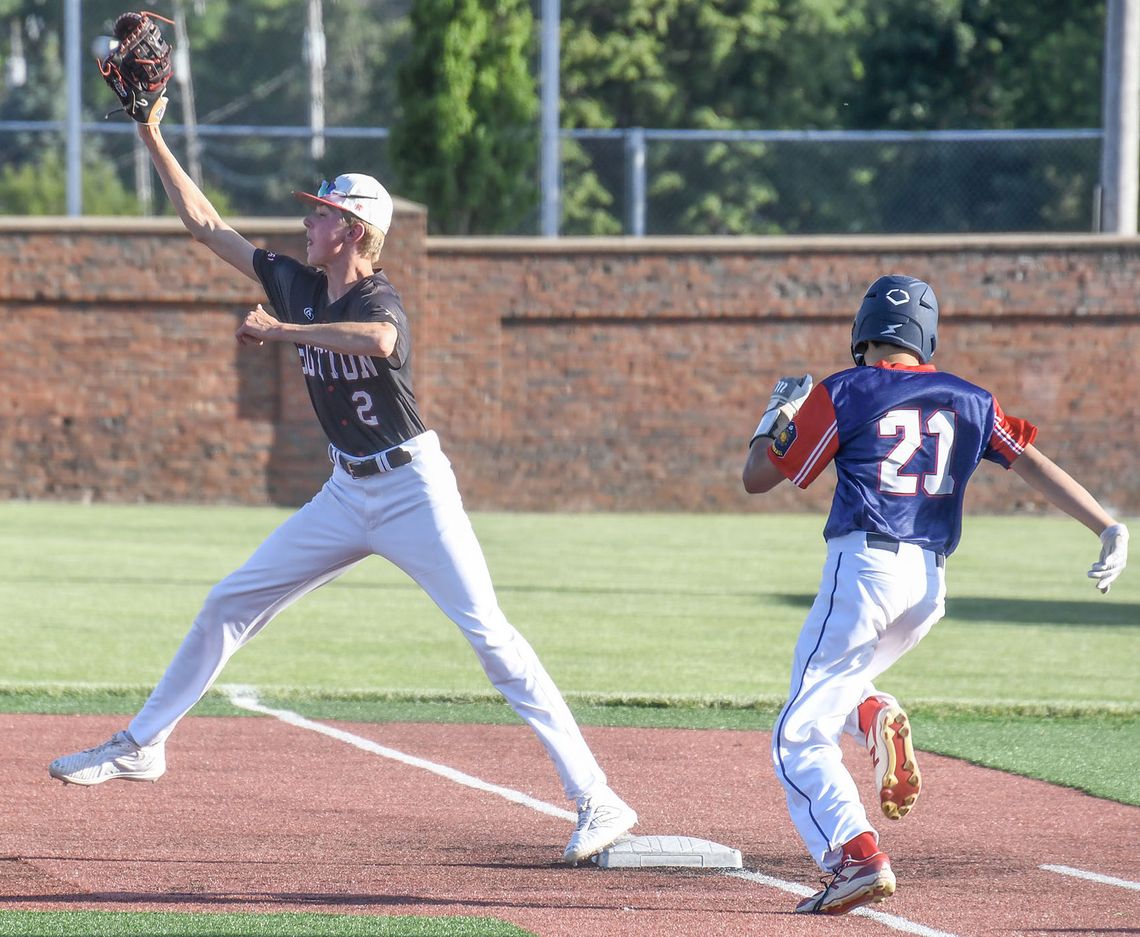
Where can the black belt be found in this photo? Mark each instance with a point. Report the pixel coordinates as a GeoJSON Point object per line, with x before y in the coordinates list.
{"type": "Point", "coordinates": [891, 545]}
{"type": "Point", "coordinates": [384, 462]}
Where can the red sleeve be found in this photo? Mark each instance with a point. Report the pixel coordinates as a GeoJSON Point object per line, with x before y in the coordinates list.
{"type": "Point", "coordinates": [809, 442]}
{"type": "Point", "coordinates": [1009, 438]}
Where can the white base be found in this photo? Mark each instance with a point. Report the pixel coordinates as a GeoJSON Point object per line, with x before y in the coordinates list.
{"type": "Point", "coordinates": [641, 852]}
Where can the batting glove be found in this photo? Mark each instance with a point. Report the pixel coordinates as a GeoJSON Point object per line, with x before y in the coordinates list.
{"type": "Point", "coordinates": [1113, 557]}
{"type": "Point", "coordinates": [787, 397]}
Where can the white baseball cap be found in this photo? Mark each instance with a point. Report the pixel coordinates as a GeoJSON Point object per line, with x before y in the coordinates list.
{"type": "Point", "coordinates": [357, 194]}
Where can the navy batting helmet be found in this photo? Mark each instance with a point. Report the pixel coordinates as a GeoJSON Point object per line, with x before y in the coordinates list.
{"type": "Point", "coordinates": [897, 310]}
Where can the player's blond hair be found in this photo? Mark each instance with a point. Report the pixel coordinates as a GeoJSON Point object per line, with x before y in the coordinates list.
{"type": "Point", "coordinates": [372, 243]}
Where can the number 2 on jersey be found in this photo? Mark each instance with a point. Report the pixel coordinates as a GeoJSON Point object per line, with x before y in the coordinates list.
{"type": "Point", "coordinates": [912, 432]}
{"type": "Point", "coordinates": [363, 401]}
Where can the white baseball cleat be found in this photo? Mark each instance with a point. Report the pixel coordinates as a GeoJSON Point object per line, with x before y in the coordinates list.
{"type": "Point", "coordinates": [602, 818]}
{"type": "Point", "coordinates": [118, 757]}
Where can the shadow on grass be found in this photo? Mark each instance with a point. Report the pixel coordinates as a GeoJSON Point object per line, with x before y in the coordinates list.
{"type": "Point", "coordinates": [1094, 613]}
{"type": "Point", "coordinates": [149, 582]}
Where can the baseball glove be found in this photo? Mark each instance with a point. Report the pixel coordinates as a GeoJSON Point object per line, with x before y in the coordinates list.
{"type": "Point", "coordinates": [137, 66]}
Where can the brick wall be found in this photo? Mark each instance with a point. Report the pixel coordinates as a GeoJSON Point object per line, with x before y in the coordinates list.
{"type": "Point", "coordinates": [124, 382]}
{"type": "Point", "coordinates": [625, 375]}
{"type": "Point", "coordinates": [569, 374]}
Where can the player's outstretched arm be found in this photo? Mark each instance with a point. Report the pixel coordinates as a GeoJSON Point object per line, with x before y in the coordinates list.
{"type": "Point", "coordinates": [1040, 472]}
{"type": "Point", "coordinates": [197, 213]}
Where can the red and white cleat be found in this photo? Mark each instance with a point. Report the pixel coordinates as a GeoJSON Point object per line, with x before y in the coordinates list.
{"type": "Point", "coordinates": [896, 768]}
{"type": "Point", "coordinates": [856, 882]}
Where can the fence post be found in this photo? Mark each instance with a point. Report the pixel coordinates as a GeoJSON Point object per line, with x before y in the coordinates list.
{"type": "Point", "coordinates": [1120, 154]}
{"type": "Point", "coordinates": [72, 29]}
{"type": "Point", "coordinates": [634, 139]}
{"type": "Point", "coordinates": [551, 168]}
{"type": "Point", "coordinates": [314, 49]}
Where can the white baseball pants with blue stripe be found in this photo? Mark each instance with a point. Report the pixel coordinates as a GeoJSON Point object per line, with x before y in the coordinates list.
{"type": "Point", "coordinates": [873, 606]}
{"type": "Point", "coordinates": [414, 517]}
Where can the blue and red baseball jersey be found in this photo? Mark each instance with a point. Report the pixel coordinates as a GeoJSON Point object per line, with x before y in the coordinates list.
{"type": "Point", "coordinates": [905, 441]}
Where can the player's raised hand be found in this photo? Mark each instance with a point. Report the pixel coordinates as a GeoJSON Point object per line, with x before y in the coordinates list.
{"type": "Point", "coordinates": [787, 397]}
{"type": "Point", "coordinates": [135, 63]}
{"type": "Point", "coordinates": [1113, 557]}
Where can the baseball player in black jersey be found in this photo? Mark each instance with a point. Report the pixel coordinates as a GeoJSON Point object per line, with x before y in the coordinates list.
{"type": "Point", "coordinates": [391, 492]}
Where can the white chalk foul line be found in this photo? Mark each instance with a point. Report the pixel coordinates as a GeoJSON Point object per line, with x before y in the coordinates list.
{"type": "Point", "coordinates": [1092, 876]}
{"type": "Point", "coordinates": [246, 697]}
{"type": "Point", "coordinates": [892, 921]}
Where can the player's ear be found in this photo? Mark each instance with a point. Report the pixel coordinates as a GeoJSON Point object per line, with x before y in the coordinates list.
{"type": "Point", "coordinates": [354, 233]}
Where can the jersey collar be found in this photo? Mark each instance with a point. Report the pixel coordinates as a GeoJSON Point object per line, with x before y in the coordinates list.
{"type": "Point", "coordinates": [897, 366]}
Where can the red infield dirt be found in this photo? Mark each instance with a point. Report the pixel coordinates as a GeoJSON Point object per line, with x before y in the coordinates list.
{"type": "Point", "coordinates": [256, 815]}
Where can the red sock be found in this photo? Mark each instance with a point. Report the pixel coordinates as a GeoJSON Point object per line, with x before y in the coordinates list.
{"type": "Point", "coordinates": [862, 846]}
{"type": "Point", "coordinates": [868, 710]}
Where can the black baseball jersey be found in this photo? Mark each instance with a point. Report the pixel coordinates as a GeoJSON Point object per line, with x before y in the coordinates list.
{"type": "Point", "coordinates": [365, 404]}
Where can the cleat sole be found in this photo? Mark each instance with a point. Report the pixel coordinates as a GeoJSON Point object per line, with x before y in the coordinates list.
{"type": "Point", "coordinates": [902, 781]}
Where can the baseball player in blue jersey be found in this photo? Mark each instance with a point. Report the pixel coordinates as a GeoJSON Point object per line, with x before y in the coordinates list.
{"type": "Point", "coordinates": [391, 493]}
{"type": "Point", "coordinates": [905, 440]}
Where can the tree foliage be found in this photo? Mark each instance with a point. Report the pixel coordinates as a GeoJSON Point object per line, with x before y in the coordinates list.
{"type": "Point", "coordinates": [465, 141]}
{"type": "Point", "coordinates": [38, 187]}
{"type": "Point", "coordinates": [454, 80]}
{"type": "Point", "coordinates": [716, 65]}
{"type": "Point", "coordinates": [247, 66]}
{"type": "Point", "coordinates": [980, 64]}
{"type": "Point", "coordinates": [831, 64]}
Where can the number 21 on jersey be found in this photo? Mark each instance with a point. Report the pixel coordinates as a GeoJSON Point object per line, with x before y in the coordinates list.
{"type": "Point", "coordinates": [913, 432]}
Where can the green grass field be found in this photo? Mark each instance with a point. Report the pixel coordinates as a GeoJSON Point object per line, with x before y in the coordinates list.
{"type": "Point", "coordinates": [655, 620]}
{"type": "Point", "coordinates": [161, 924]}
{"type": "Point", "coordinates": [689, 606]}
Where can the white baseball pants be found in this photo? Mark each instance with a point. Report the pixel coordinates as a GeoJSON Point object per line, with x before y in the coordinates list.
{"type": "Point", "coordinates": [873, 606]}
{"type": "Point", "coordinates": [413, 516]}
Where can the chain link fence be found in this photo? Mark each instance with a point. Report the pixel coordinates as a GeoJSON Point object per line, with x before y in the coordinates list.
{"type": "Point", "coordinates": [834, 182]}
{"type": "Point", "coordinates": [637, 181]}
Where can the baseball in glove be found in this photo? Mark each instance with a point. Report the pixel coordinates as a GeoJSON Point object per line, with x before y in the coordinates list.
{"type": "Point", "coordinates": [136, 65]}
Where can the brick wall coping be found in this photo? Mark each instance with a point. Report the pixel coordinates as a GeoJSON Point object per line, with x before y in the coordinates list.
{"type": "Point", "coordinates": [847, 244]}
{"type": "Point", "coordinates": [850, 244]}
{"type": "Point", "coordinates": [125, 224]}
{"type": "Point", "coordinates": [129, 224]}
